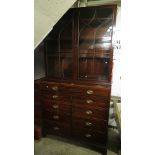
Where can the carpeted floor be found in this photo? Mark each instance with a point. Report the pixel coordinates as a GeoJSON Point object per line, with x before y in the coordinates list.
{"type": "Point", "coordinates": [52, 145]}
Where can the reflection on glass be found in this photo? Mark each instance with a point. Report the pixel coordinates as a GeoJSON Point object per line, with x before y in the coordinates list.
{"type": "Point", "coordinates": [95, 37]}
{"type": "Point", "coordinates": [59, 49]}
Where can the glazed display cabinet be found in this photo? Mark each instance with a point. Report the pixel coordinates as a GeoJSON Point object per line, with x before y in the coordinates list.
{"type": "Point", "coordinates": [75, 94]}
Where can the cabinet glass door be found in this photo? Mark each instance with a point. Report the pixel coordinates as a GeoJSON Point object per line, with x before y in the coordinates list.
{"type": "Point", "coordinates": [59, 50]}
{"type": "Point", "coordinates": [95, 43]}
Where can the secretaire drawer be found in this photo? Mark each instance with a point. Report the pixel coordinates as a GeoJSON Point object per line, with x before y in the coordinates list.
{"type": "Point", "coordinates": [90, 112]}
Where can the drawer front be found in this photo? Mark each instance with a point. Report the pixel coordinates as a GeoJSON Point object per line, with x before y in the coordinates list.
{"type": "Point", "coordinates": [90, 112]}
{"type": "Point", "coordinates": [57, 116]}
{"type": "Point", "coordinates": [90, 101]}
{"type": "Point", "coordinates": [57, 106]}
{"type": "Point", "coordinates": [57, 128]}
{"type": "Point", "coordinates": [90, 91]}
{"type": "Point", "coordinates": [90, 136]}
{"type": "Point", "coordinates": [56, 96]}
{"type": "Point", "coordinates": [50, 87]}
{"type": "Point", "coordinates": [92, 124]}
{"type": "Point", "coordinates": [48, 102]}
{"type": "Point", "coordinates": [69, 88]}
{"type": "Point", "coordinates": [54, 87]}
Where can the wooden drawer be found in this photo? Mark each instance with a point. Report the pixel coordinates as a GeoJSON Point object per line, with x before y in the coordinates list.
{"type": "Point", "coordinates": [50, 86]}
{"type": "Point", "coordinates": [56, 96]}
{"type": "Point", "coordinates": [90, 91]}
{"type": "Point", "coordinates": [57, 116]}
{"type": "Point", "coordinates": [90, 101]}
{"type": "Point", "coordinates": [54, 87]}
{"type": "Point", "coordinates": [61, 100]}
{"type": "Point", "coordinates": [90, 124]}
{"type": "Point", "coordinates": [57, 106]}
{"type": "Point", "coordinates": [90, 136]}
{"type": "Point", "coordinates": [89, 112]}
{"type": "Point", "coordinates": [57, 128]}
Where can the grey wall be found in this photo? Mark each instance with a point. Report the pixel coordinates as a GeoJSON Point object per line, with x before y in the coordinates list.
{"type": "Point", "coordinates": [46, 14]}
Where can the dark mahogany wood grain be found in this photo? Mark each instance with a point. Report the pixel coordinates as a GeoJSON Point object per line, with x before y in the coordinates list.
{"type": "Point", "coordinates": [90, 124]}
{"type": "Point", "coordinates": [57, 128]}
{"type": "Point", "coordinates": [59, 108]}
{"type": "Point", "coordinates": [60, 117]}
{"type": "Point", "coordinates": [37, 111]}
{"type": "Point", "coordinates": [75, 94]}
{"type": "Point", "coordinates": [96, 101]}
{"type": "Point", "coordinates": [90, 136]}
{"type": "Point", "coordinates": [90, 112]}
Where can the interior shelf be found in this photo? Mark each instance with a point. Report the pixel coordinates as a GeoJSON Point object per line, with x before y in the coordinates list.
{"type": "Point", "coordinates": [105, 18]}
{"type": "Point", "coordinates": [81, 45]}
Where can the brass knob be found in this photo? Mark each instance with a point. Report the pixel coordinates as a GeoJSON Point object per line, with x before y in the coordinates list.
{"type": "Point", "coordinates": [88, 135]}
{"type": "Point", "coordinates": [88, 124]}
{"type": "Point", "coordinates": [46, 86]}
{"type": "Point", "coordinates": [90, 92]}
{"type": "Point", "coordinates": [89, 112]}
{"type": "Point", "coordinates": [56, 128]}
{"type": "Point", "coordinates": [55, 96]}
{"type": "Point", "coordinates": [55, 106]}
{"type": "Point", "coordinates": [89, 101]}
{"type": "Point", "coordinates": [55, 117]}
{"type": "Point", "coordinates": [55, 88]}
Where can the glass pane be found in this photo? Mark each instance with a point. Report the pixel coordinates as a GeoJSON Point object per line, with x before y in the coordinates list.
{"type": "Point", "coordinates": [66, 53]}
{"type": "Point", "coordinates": [51, 47]}
{"type": "Point", "coordinates": [52, 51]}
{"type": "Point", "coordinates": [102, 68]}
{"type": "Point", "coordinates": [59, 49]}
{"type": "Point", "coordinates": [95, 43]}
{"type": "Point", "coordinates": [67, 68]}
{"type": "Point", "coordinates": [97, 68]}
{"type": "Point", "coordinates": [53, 68]}
{"type": "Point", "coordinates": [104, 12]}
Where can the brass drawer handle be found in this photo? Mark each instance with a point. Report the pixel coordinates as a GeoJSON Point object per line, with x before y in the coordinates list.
{"type": "Point", "coordinates": [47, 86]}
{"type": "Point", "coordinates": [56, 128]}
{"type": "Point", "coordinates": [89, 101]}
{"type": "Point", "coordinates": [88, 124]}
{"type": "Point", "coordinates": [88, 135]}
{"type": "Point", "coordinates": [89, 112]}
{"type": "Point", "coordinates": [55, 106]}
{"type": "Point", "coordinates": [55, 117]}
{"type": "Point", "coordinates": [90, 92]}
{"type": "Point", "coordinates": [55, 88]}
{"type": "Point", "coordinates": [55, 96]}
